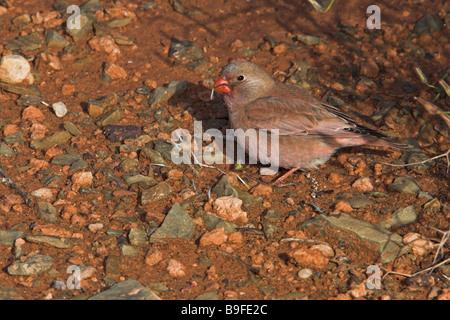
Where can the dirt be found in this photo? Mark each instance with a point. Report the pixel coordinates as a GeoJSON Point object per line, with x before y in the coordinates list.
{"type": "Point", "coordinates": [255, 267]}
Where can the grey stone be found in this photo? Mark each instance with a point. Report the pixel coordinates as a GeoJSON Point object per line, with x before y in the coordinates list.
{"type": "Point", "coordinates": [128, 250]}
{"type": "Point", "coordinates": [144, 181]}
{"type": "Point", "coordinates": [177, 224]}
{"type": "Point", "coordinates": [212, 295]}
{"type": "Point", "coordinates": [54, 241]}
{"type": "Point", "coordinates": [57, 138]}
{"type": "Point", "coordinates": [249, 201]}
{"type": "Point", "coordinates": [28, 42]}
{"type": "Point", "coordinates": [6, 151]}
{"type": "Point", "coordinates": [156, 193]}
{"type": "Point", "coordinates": [21, 90]}
{"type": "Point", "coordinates": [359, 201]}
{"type": "Point", "coordinates": [163, 94]}
{"type": "Point", "coordinates": [272, 214]}
{"type": "Point", "coordinates": [54, 40]}
{"type": "Point", "coordinates": [33, 265]}
{"type": "Point", "coordinates": [86, 26]}
{"type": "Point", "coordinates": [405, 184]}
{"type": "Point", "coordinates": [400, 217]}
{"type": "Point", "coordinates": [223, 188]}
{"type": "Point", "coordinates": [154, 156]}
{"type": "Point", "coordinates": [126, 290]}
{"type": "Point", "coordinates": [65, 159]}
{"type": "Point", "coordinates": [137, 237]}
{"type": "Point", "coordinates": [269, 229]}
{"type": "Point", "coordinates": [15, 137]}
{"type": "Point", "coordinates": [47, 212]}
{"type": "Point", "coordinates": [7, 237]}
{"type": "Point", "coordinates": [389, 244]}
{"type": "Point", "coordinates": [91, 6]}
{"type": "Point", "coordinates": [112, 267]}
{"type": "Point", "coordinates": [28, 100]}
{"type": "Point", "coordinates": [428, 24]}
{"type": "Point", "coordinates": [70, 127]}
{"type": "Point", "coordinates": [308, 40]}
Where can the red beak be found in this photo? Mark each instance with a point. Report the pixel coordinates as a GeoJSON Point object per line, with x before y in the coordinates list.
{"type": "Point", "coordinates": [222, 85]}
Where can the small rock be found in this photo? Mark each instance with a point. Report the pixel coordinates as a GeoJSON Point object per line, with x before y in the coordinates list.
{"type": "Point", "coordinates": [401, 217]}
{"type": "Point", "coordinates": [418, 243]}
{"type": "Point", "coordinates": [137, 236]}
{"type": "Point", "coordinates": [313, 259]}
{"type": "Point", "coordinates": [115, 72]}
{"type": "Point", "coordinates": [112, 267]}
{"type": "Point", "coordinates": [83, 29]}
{"type": "Point", "coordinates": [32, 265]}
{"type": "Point", "coordinates": [30, 42]}
{"type": "Point", "coordinates": [126, 290]}
{"type": "Point", "coordinates": [175, 268]}
{"type": "Point", "coordinates": [363, 184]}
{"type": "Point", "coordinates": [176, 224]}
{"type": "Point", "coordinates": [428, 24]}
{"type": "Point", "coordinates": [214, 237]}
{"type": "Point", "coordinates": [369, 68]}
{"type": "Point", "coordinates": [42, 193]}
{"type": "Point", "coordinates": [15, 69]}
{"type": "Point", "coordinates": [47, 212]}
{"type": "Point", "coordinates": [308, 40]}
{"type": "Point", "coordinates": [128, 250]}
{"type": "Point", "coordinates": [60, 109]}
{"type": "Point", "coordinates": [82, 179]}
{"type": "Point", "coordinates": [57, 138]}
{"type": "Point", "coordinates": [223, 188]}
{"type": "Point", "coordinates": [94, 227]}
{"type": "Point", "coordinates": [54, 40]}
{"type": "Point", "coordinates": [405, 184]}
{"type": "Point", "coordinates": [305, 273]}
{"type": "Point", "coordinates": [116, 133]}
{"type": "Point", "coordinates": [229, 209]}
{"type": "Point", "coordinates": [326, 250]}
{"type": "Point", "coordinates": [163, 94]}
{"type": "Point", "coordinates": [8, 237]}
{"type": "Point", "coordinates": [159, 192]}
{"type": "Point", "coordinates": [32, 113]}
{"type": "Point", "coordinates": [54, 241]}
{"type": "Point", "coordinates": [153, 257]}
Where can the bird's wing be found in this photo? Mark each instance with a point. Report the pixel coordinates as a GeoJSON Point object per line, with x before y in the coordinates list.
{"type": "Point", "coordinates": [297, 117]}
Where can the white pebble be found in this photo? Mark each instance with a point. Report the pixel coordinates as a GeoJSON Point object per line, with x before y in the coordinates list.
{"type": "Point", "coordinates": [15, 69]}
{"type": "Point", "coordinates": [60, 109]}
{"type": "Point", "coordinates": [42, 193]}
{"type": "Point", "coordinates": [305, 273]}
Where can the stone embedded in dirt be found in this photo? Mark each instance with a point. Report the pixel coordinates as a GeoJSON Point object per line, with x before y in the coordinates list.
{"type": "Point", "coordinates": [299, 74]}
{"type": "Point", "coordinates": [163, 94]}
{"type": "Point", "coordinates": [114, 72]}
{"type": "Point", "coordinates": [211, 295]}
{"type": "Point", "coordinates": [32, 113]}
{"type": "Point", "coordinates": [83, 29]}
{"type": "Point", "coordinates": [126, 290]}
{"type": "Point", "coordinates": [47, 212]}
{"type": "Point", "coordinates": [400, 217]}
{"type": "Point", "coordinates": [307, 39]}
{"type": "Point", "coordinates": [32, 265]}
{"type": "Point", "coordinates": [159, 192]}
{"type": "Point", "coordinates": [428, 24]}
{"type": "Point", "coordinates": [214, 237]}
{"type": "Point", "coordinates": [189, 55]}
{"type": "Point", "coordinates": [418, 243]}
{"type": "Point", "coordinates": [15, 69]}
{"type": "Point", "coordinates": [28, 100]}
{"type": "Point", "coordinates": [305, 273]}
{"type": "Point", "coordinates": [72, 129]}
{"type": "Point", "coordinates": [359, 201]}
{"type": "Point", "coordinates": [369, 68]}
{"type": "Point", "coordinates": [116, 133]}
{"type": "Point", "coordinates": [108, 118]}
{"type": "Point", "coordinates": [405, 184]}
{"type": "Point", "coordinates": [389, 244]}
{"type": "Point", "coordinates": [54, 241]}
{"type": "Point", "coordinates": [91, 6]}
{"type": "Point", "coordinates": [137, 236]}
{"type": "Point", "coordinates": [143, 181]}
{"type": "Point", "coordinates": [269, 229]}
{"type": "Point", "coordinates": [326, 250]}
{"type": "Point", "coordinates": [273, 214]}
{"type": "Point", "coordinates": [54, 40]}
{"type": "Point", "coordinates": [13, 138]}
{"type": "Point", "coordinates": [249, 201]}
{"type": "Point", "coordinates": [229, 209]}
{"type": "Point", "coordinates": [363, 184]}
{"type": "Point", "coordinates": [112, 267]}
{"type": "Point", "coordinates": [128, 250]}
{"type": "Point", "coordinates": [175, 268]}
{"type": "Point", "coordinates": [153, 257]}
{"type": "Point", "coordinates": [82, 179]}
{"type": "Point", "coordinates": [42, 193]}
{"type": "Point", "coordinates": [176, 224]}
{"type": "Point", "coordinates": [28, 42]}
{"type": "Point", "coordinates": [60, 109]}
{"type": "Point", "coordinates": [223, 188]}
{"type": "Point", "coordinates": [94, 227]}
{"type": "Point", "coordinates": [57, 138]}
{"type": "Point", "coordinates": [32, 90]}
{"type": "Point", "coordinates": [106, 44]}
{"type": "Point", "coordinates": [65, 159]}
{"type": "Point", "coordinates": [342, 206]}
{"type": "Point", "coordinates": [8, 237]}
{"type": "Point", "coordinates": [262, 190]}
{"type": "Point", "coordinates": [6, 151]}
{"type": "Point", "coordinates": [309, 258]}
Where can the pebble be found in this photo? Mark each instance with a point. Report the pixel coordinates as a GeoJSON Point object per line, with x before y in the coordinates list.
{"type": "Point", "coordinates": [30, 42]}
{"type": "Point", "coordinates": [401, 217]}
{"type": "Point", "coordinates": [95, 227]}
{"type": "Point", "coordinates": [47, 212]}
{"type": "Point", "coordinates": [428, 24]}
{"type": "Point", "coordinates": [32, 265]}
{"type": "Point", "coordinates": [363, 184]}
{"type": "Point", "coordinates": [54, 40]}
{"type": "Point", "coordinates": [305, 257]}
{"type": "Point", "coordinates": [15, 69]}
{"type": "Point", "coordinates": [405, 184]}
{"type": "Point", "coordinates": [126, 290]}
{"type": "Point", "coordinates": [229, 209]}
{"type": "Point", "coordinates": [42, 193]}
{"type": "Point", "coordinates": [9, 237]}
{"type": "Point", "coordinates": [156, 193]}
{"type": "Point", "coordinates": [115, 72]}
{"type": "Point", "coordinates": [32, 113]}
{"type": "Point", "coordinates": [305, 273]}
{"type": "Point", "coordinates": [54, 241]}
{"type": "Point", "coordinates": [418, 243]}
{"type": "Point", "coordinates": [82, 179]}
{"type": "Point", "coordinates": [57, 138]}
{"type": "Point", "coordinates": [175, 268]}
{"type": "Point", "coordinates": [214, 237]}
{"type": "Point", "coordinates": [176, 224]}
{"type": "Point", "coordinates": [60, 109]}
{"type": "Point", "coordinates": [163, 94]}
{"type": "Point", "coordinates": [223, 188]}
{"type": "Point", "coordinates": [153, 257]}
{"type": "Point", "coordinates": [137, 236]}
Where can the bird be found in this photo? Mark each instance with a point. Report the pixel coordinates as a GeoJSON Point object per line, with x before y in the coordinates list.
{"type": "Point", "coordinates": [309, 131]}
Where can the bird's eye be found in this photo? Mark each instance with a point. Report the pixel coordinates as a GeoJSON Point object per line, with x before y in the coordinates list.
{"type": "Point", "coordinates": [240, 78]}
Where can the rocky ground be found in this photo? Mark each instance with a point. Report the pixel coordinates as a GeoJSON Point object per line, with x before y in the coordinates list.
{"type": "Point", "coordinates": [87, 117]}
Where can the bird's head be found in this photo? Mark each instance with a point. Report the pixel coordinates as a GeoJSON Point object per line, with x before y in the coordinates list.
{"type": "Point", "coordinates": [244, 80]}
